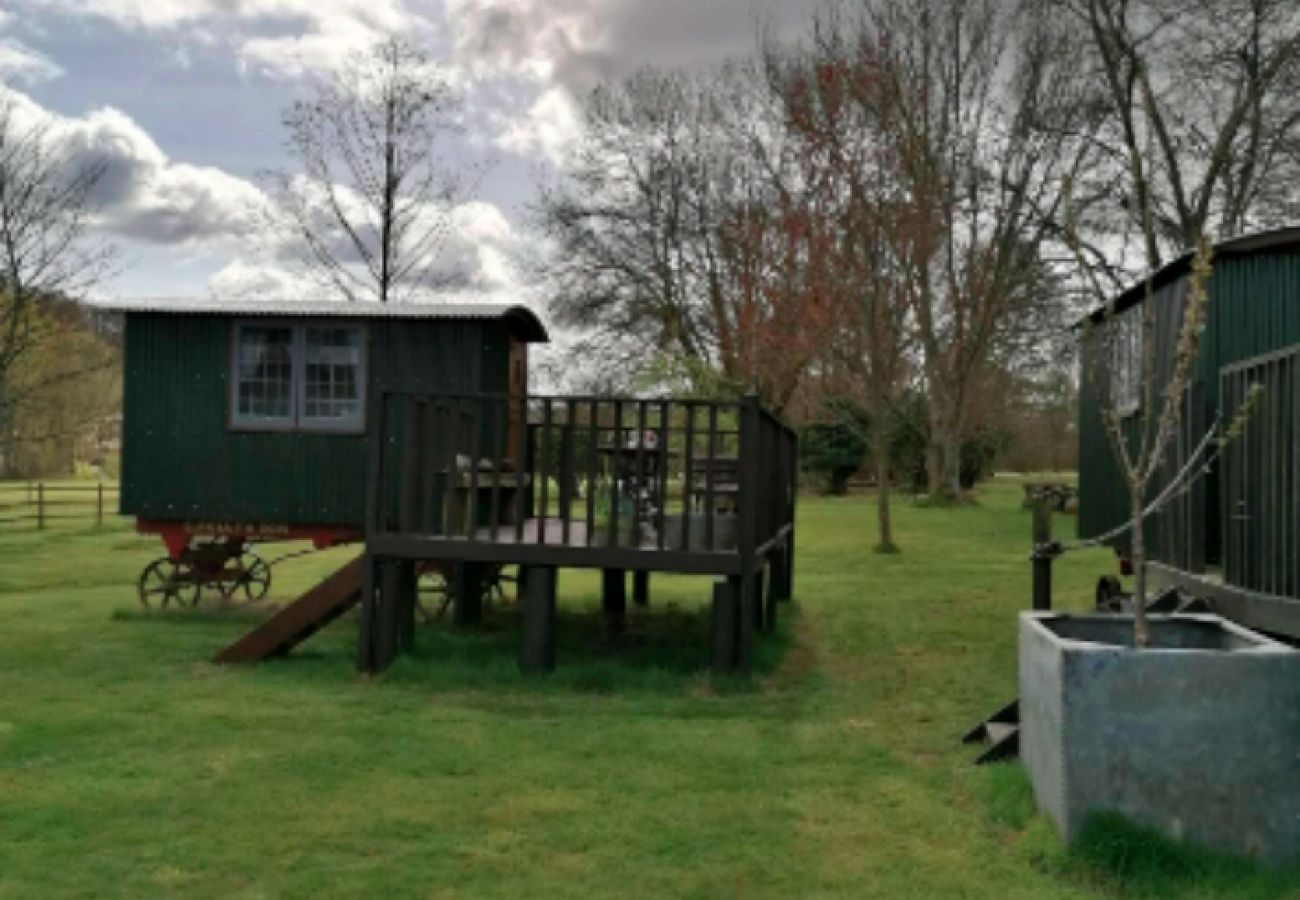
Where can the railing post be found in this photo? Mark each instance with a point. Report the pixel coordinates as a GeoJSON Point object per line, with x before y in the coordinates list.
{"type": "Point", "coordinates": [40, 506]}
{"type": "Point", "coordinates": [374, 480]}
{"type": "Point", "coordinates": [99, 504]}
{"type": "Point", "coordinates": [1045, 551]}
{"type": "Point", "coordinates": [747, 523]}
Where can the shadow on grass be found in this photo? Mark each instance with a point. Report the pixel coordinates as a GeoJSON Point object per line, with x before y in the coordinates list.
{"type": "Point", "coordinates": [1141, 862]}
{"type": "Point", "coordinates": [664, 649]}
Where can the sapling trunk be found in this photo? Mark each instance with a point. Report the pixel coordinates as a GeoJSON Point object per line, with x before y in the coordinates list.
{"type": "Point", "coordinates": [1138, 557]}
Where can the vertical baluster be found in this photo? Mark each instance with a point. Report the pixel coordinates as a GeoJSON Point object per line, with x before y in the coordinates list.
{"type": "Point", "coordinates": [432, 518]}
{"type": "Point", "coordinates": [688, 467]}
{"type": "Point", "coordinates": [661, 474]}
{"type": "Point", "coordinates": [710, 504]}
{"type": "Point", "coordinates": [615, 464]}
{"type": "Point", "coordinates": [566, 471]}
{"type": "Point", "coordinates": [500, 424]}
{"type": "Point", "coordinates": [638, 500]}
{"type": "Point", "coordinates": [544, 471]}
{"type": "Point", "coordinates": [525, 473]}
{"type": "Point", "coordinates": [374, 497]}
{"type": "Point", "coordinates": [593, 438]}
{"type": "Point", "coordinates": [412, 453]}
{"type": "Point", "coordinates": [476, 419]}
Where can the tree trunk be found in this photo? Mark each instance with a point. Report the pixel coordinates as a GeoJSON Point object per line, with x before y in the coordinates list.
{"type": "Point", "coordinates": [8, 433]}
{"type": "Point", "coordinates": [884, 520]}
{"type": "Point", "coordinates": [952, 463]}
{"type": "Point", "coordinates": [943, 455]}
{"type": "Point", "coordinates": [1142, 633]}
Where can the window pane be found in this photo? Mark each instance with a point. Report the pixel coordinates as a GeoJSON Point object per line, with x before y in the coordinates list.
{"type": "Point", "coordinates": [332, 368]}
{"type": "Point", "coordinates": [264, 387]}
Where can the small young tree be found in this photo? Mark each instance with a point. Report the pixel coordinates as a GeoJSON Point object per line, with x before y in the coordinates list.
{"type": "Point", "coordinates": [1139, 447]}
{"type": "Point", "coordinates": [371, 207]}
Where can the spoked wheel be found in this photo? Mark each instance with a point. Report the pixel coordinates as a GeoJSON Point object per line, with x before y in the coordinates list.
{"type": "Point", "coordinates": [1110, 595]}
{"type": "Point", "coordinates": [165, 583]}
{"type": "Point", "coordinates": [251, 581]}
{"type": "Point", "coordinates": [494, 586]}
{"type": "Point", "coordinates": [432, 595]}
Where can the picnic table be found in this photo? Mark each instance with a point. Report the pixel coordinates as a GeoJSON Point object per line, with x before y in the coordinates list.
{"type": "Point", "coordinates": [1059, 496]}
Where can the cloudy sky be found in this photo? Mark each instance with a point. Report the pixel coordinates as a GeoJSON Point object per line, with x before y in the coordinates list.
{"type": "Point", "coordinates": [184, 99]}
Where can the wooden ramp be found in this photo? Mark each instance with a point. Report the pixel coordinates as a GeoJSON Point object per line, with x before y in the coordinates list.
{"type": "Point", "coordinates": [300, 619]}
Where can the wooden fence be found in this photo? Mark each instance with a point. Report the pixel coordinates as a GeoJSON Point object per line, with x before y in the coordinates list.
{"type": "Point", "coordinates": [37, 505]}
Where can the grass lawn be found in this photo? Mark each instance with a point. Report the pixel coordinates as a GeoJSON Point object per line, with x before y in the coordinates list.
{"type": "Point", "coordinates": [129, 766]}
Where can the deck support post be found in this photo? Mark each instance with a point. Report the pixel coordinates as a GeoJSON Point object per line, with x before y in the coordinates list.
{"type": "Point", "coordinates": [404, 585]}
{"type": "Point", "coordinates": [537, 653]}
{"type": "Point", "coordinates": [783, 570]}
{"type": "Point", "coordinates": [726, 621]}
{"type": "Point", "coordinates": [767, 596]}
{"type": "Point", "coordinates": [641, 588]}
{"type": "Point", "coordinates": [381, 599]}
{"type": "Point", "coordinates": [743, 587]}
{"type": "Point", "coordinates": [369, 597]}
{"type": "Point", "coordinates": [1045, 551]}
{"type": "Point", "coordinates": [467, 593]}
{"type": "Point", "coordinates": [613, 598]}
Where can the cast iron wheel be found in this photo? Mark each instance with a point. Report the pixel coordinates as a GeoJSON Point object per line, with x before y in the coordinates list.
{"type": "Point", "coordinates": [431, 595]}
{"type": "Point", "coordinates": [166, 583]}
{"type": "Point", "coordinates": [1110, 594]}
{"type": "Point", "coordinates": [252, 581]}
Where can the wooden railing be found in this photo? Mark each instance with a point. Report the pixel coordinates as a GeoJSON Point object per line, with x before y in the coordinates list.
{"type": "Point", "coordinates": [659, 474]}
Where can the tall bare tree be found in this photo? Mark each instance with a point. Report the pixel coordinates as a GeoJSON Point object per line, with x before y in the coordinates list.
{"type": "Point", "coordinates": [371, 207]}
{"type": "Point", "coordinates": [966, 88]}
{"type": "Point", "coordinates": [1202, 117]}
{"type": "Point", "coordinates": [46, 208]}
{"type": "Point", "coordinates": [829, 88]}
{"type": "Point", "coordinates": [680, 230]}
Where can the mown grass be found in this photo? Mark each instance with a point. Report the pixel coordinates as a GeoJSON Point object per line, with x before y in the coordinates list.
{"type": "Point", "coordinates": [129, 766]}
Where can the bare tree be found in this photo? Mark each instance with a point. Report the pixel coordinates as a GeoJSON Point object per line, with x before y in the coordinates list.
{"type": "Point", "coordinates": [46, 207]}
{"type": "Point", "coordinates": [830, 90]}
{"type": "Point", "coordinates": [680, 232]}
{"type": "Point", "coordinates": [371, 207]}
{"type": "Point", "coordinates": [1202, 106]}
{"type": "Point", "coordinates": [964, 89]}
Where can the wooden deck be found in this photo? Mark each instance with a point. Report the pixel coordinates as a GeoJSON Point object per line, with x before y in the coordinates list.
{"type": "Point", "coordinates": [624, 485]}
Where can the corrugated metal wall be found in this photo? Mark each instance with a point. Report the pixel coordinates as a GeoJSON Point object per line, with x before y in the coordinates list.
{"type": "Point", "coordinates": [1254, 309]}
{"type": "Point", "coordinates": [180, 461]}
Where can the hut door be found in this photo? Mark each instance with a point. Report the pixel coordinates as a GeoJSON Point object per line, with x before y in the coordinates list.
{"type": "Point", "coordinates": [518, 387]}
{"type": "Point", "coordinates": [1260, 475]}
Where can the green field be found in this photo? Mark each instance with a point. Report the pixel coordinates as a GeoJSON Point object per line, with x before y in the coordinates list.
{"type": "Point", "coordinates": [129, 766]}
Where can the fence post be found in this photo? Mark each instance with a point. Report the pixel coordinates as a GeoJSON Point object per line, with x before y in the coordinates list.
{"type": "Point", "coordinates": [1045, 551]}
{"type": "Point", "coordinates": [99, 504]}
{"type": "Point", "coordinates": [40, 506]}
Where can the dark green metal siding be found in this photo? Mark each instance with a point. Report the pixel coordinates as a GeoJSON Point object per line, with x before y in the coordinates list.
{"type": "Point", "coordinates": [181, 461]}
{"type": "Point", "coordinates": [1254, 309]}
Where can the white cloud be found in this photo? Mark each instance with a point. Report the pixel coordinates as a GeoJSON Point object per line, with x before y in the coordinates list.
{"type": "Point", "coordinates": [143, 195]}
{"type": "Point", "coordinates": [549, 128]}
{"type": "Point", "coordinates": [247, 279]}
{"type": "Point", "coordinates": [279, 38]}
{"type": "Point", "coordinates": [20, 64]}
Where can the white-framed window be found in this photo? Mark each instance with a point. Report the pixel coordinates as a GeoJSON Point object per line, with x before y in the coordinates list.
{"type": "Point", "coordinates": [1126, 362]}
{"type": "Point", "coordinates": [305, 376]}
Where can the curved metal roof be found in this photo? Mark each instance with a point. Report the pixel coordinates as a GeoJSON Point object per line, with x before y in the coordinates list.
{"type": "Point", "coordinates": [523, 321]}
{"type": "Point", "coordinates": [1256, 242]}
